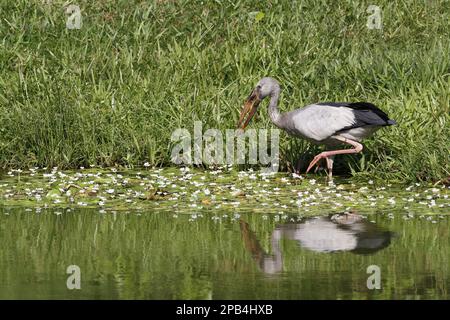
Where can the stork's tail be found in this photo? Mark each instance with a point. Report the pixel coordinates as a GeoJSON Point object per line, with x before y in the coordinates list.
{"type": "Point", "coordinates": [391, 122]}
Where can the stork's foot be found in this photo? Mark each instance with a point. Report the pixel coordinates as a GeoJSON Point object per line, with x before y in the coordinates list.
{"type": "Point", "coordinates": [316, 160]}
{"type": "Point", "coordinates": [329, 160]}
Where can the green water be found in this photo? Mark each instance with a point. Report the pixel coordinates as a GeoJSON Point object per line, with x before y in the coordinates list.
{"type": "Point", "coordinates": [219, 234]}
{"type": "Point", "coordinates": [158, 256]}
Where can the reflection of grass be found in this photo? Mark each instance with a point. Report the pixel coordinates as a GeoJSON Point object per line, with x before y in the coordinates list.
{"type": "Point", "coordinates": [155, 256]}
{"type": "Point", "coordinates": [174, 190]}
{"type": "Point", "coordinates": [168, 63]}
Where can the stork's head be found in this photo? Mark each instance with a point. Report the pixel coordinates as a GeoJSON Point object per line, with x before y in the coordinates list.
{"type": "Point", "coordinates": [265, 87]}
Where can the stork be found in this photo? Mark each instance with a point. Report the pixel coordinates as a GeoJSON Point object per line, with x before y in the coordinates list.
{"type": "Point", "coordinates": [327, 123]}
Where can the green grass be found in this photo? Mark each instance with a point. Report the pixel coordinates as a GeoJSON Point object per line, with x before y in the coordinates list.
{"type": "Point", "coordinates": [169, 63]}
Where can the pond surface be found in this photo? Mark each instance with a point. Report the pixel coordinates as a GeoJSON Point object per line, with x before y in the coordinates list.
{"type": "Point", "coordinates": [175, 235]}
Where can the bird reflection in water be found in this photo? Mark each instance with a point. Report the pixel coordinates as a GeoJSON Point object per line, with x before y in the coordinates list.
{"type": "Point", "coordinates": [337, 233]}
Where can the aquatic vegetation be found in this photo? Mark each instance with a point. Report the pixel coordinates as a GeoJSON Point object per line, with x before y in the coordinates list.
{"type": "Point", "coordinates": [184, 190]}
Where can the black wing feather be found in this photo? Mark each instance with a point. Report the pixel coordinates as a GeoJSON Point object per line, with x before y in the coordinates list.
{"type": "Point", "coordinates": [366, 114]}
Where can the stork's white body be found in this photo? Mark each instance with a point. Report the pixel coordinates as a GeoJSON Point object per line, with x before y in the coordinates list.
{"type": "Point", "coordinates": [323, 122]}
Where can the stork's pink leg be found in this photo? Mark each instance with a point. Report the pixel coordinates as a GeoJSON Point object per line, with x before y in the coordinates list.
{"type": "Point", "coordinates": [324, 155]}
{"type": "Point", "coordinates": [330, 160]}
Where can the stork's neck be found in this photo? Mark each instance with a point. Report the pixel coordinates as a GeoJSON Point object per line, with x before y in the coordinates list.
{"type": "Point", "coordinates": [274, 113]}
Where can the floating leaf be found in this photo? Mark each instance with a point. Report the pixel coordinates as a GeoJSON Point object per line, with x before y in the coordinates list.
{"type": "Point", "coordinates": [206, 201]}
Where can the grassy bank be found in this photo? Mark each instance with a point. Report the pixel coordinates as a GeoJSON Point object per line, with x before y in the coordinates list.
{"type": "Point", "coordinates": [113, 91]}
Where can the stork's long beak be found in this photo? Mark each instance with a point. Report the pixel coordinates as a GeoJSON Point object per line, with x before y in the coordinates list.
{"type": "Point", "coordinates": [249, 109]}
